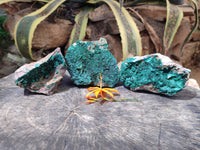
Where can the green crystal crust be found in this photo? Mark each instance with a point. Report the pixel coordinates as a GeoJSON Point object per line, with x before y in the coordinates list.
{"type": "Point", "coordinates": [85, 60]}
{"type": "Point", "coordinates": [41, 71]}
{"type": "Point", "coordinates": [166, 80]}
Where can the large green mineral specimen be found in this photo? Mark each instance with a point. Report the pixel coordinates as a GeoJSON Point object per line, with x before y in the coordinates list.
{"type": "Point", "coordinates": [156, 73]}
{"type": "Point", "coordinates": [85, 60]}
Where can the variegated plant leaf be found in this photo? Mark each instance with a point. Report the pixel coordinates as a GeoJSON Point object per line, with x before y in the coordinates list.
{"type": "Point", "coordinates": [130, 36]}
{"type": "Point", "coordinates": [6, 1]}
{"type": "Point", "coordinates": [134, 2]}
{"type": "Point", "coordinates": [173, 21]}
{"type": "Point", "coordinates": [79, 30]}
{"type": "Point", "coordinates": [46, 1]}
{"type": "Point", "coordinates": [24, 30]}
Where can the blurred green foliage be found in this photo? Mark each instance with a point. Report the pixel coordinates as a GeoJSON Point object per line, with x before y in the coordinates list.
{"type": "Point", "coordinates": [5, 38]}
{"type": "Point", "coordinates": [3, 33]}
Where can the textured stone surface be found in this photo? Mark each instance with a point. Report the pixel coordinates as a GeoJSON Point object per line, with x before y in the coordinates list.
{"type": "Point", "coordinates": [193, 83]}
{"type": "Point", "coordinates": [101, 13]}
{"type": "Point", "coordinates": [196, 35]}
{"type": "Point", "coordinates": [156, 73]}
{"type": "Point", "coordinates": [114, 46]}
{"type": "Point", "coordinates": [195, 71]}
{"type": "Point", "coordinates": [158, 13]}
{"type": "Point", "coordinates": [85, 60]}
{"type": "Point", "coordinates": [189, 51]}
{"type": "Point", "coordinates": [47, 34]}
{"type": "Point", "coordinates": [179, 39]}
{"type": "Point", "coordinates": [12, 7]}
{"type": "Point", "coordinates": [11, 61]}
{"type": "Point", "coordinates": [147, 45]}
{"type": "Point", "coordinates": [42, 76]}
{"type": "Point", "coordinates": [108, 25]}
{"type": "Point", "coordinates": [64, 122]}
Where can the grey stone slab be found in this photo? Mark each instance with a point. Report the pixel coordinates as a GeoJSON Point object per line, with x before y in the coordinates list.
{"type": "Point", "coordinates": [64, 122]}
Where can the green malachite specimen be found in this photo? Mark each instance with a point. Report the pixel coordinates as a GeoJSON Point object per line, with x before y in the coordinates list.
{"type": "Point", "coordinates": [156, 73]}
{"type": "Point", "coordinates": [42, 76]}
{"type": "Point", "coordinates": [85, 60]}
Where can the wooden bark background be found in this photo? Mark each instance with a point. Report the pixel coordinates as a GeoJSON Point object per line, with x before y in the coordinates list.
{"type": "Point", "coordinates": [64, 122]}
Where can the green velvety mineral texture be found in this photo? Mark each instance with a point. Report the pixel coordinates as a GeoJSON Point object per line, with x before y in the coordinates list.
{"type": "Point", "coordinates": [44, 75]}
{"type": "Point", "coordinates": [40, 71]}
{"type": "Point", "coordinates": [156, 73]}
{"type": "Point", "coordinates": [85, 60]}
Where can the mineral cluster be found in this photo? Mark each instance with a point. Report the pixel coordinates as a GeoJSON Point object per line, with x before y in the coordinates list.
{"type": "Point", "coordinates": [156, 73]}
{"type": "Point", "coordinates": [85, 60]}
{"type": "Point", "coordinates": [42, 76]}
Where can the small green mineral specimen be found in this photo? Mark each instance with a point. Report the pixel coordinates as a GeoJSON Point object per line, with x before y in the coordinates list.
{"type": "Point", "coordinates": [44, 75]}
{"type": "Point", "coordinates": [149, 73]}
{"type": "Point", "coordinates": [85, 60]}
{"type": "Point", "coordinates": [40, 71]}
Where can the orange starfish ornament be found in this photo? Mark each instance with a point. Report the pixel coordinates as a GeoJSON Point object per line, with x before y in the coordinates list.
{"type": "Point", "coordinates": [101, 91]}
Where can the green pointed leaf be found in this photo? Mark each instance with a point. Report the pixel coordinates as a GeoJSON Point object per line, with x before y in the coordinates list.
{"type": "Point", "coordinates": [79, 30]}
{"type": "Point", "coordinates": [46, 1]}
{"type": "Point", "coordinates": [24, 30]}
{"type": "Point", "coordinates": [130, 36]}
{"type": "Point", "coordinates": [134, 2]}
{"type": "Point", "coordinates": [125, 100]}
{"type": "Point", "coordinates": [6, 1]}
{"type": "Point", "coordinates": [174, 18]}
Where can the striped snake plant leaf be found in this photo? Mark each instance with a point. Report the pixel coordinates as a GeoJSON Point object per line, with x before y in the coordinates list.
{"type": "Point", "coordinates": [195, 25]}
{"type": "Point", "coordinates": [79, 29]}
{"type": "Point", "coordinates": [24, 29]}
{"type": "Point", "coordinates": [130, 36]}
{"type": "Point", "coordinates": [6, 1]}
{"type": "Point", "coordinates": [134, 2]}
{"type": "Point", "coordinates": [46, 1]}
{"type": "Point", "coordinates": [121, 2]}
{"type": "Point", "coordinates": [173, 21]}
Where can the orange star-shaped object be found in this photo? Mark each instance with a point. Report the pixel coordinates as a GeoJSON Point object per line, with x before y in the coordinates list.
{"type": "Point", "coordinates": [101, 91]}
